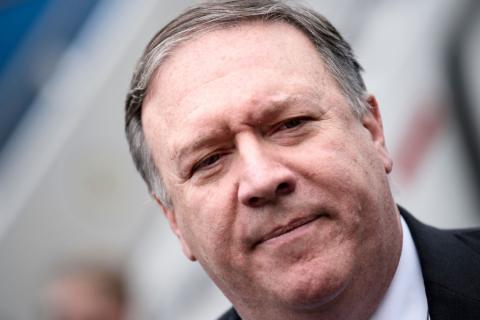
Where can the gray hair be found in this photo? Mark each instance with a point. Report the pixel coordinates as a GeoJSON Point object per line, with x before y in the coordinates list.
{"type": "Point", "coordinates": [218, 14]}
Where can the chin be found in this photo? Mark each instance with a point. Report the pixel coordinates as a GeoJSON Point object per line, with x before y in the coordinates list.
{"type": "Point", "coordinates": [312, 291]}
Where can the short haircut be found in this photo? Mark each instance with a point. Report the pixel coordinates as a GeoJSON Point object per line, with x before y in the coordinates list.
{"type": "Point", "coordinates": [219, 14]}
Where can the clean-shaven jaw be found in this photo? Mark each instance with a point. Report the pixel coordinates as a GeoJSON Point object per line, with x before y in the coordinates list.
{"type": "Point", "coordinates": [277, 188]}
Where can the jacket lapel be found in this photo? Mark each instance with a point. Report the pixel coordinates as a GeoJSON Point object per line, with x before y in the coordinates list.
{"type": "Point", "coordinates": [450, 261]}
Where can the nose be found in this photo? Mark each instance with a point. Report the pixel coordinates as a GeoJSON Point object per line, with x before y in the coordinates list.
{"type": "Point", "coordinates": [264, 179]}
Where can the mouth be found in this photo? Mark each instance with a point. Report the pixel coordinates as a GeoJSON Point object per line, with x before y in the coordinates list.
{"type": "Point", "coordinates": [288, 228]}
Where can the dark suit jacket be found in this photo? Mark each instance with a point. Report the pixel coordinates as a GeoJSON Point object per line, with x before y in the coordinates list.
{"type": "Point", "coordinates": [450, 261]}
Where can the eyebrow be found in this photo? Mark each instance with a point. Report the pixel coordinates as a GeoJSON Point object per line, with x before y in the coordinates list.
{"type": "Point", "coordinates": [203, 140]}
{"type": "Point", "coordinates": [275, 106]}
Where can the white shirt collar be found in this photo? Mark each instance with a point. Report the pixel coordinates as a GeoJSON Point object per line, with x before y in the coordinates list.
{"type": "Point", "coordinates": [405, 298]}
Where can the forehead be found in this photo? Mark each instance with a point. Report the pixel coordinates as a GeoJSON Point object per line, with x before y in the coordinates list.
{"type": "Point", "coordinates": [225, 69]}
{"type": "Point", "coordinates": [214, 54]}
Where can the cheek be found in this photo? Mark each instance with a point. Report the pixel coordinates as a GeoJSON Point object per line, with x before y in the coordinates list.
{"type": "Point", "coordinates": [207, 219]}
{"type": "Point", "coordinates": [328, 163]}
{"type": "Point", "coordinates": [347, 159]}
{"type": "Point", "coordinates": [344, 172]}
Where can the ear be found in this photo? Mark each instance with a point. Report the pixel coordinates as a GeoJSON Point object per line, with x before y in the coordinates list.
{"type": "Point", "coordinates": [372, 121]}
{"type": "Point", "coordinates": [169, 213]}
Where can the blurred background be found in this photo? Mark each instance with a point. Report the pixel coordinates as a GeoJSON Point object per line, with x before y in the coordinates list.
{"type": "Point", "coordinates": [68, 188]}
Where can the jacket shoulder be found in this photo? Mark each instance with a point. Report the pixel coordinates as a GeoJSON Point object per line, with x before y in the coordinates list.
{"type": "Point", "coordinates": [231, 314]}
{"type": "Point", "coordinates": [450, 262]}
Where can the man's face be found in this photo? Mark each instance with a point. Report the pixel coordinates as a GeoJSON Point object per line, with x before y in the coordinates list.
{"type": "Point", "coordinates": [81, 297]}
{"type": "Point", "coordinates": [278, 190]}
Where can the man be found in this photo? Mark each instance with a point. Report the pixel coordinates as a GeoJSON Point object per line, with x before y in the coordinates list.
{"type": "Point", "coordinates": [251, 125]}
{"type": "Point", "coordinates": [86, 293]}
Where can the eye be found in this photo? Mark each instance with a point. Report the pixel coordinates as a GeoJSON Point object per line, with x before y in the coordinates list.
{"type": "Point", "coordinates": [292, 123]}
{"type": "Point", "coordinates": [206, 162]}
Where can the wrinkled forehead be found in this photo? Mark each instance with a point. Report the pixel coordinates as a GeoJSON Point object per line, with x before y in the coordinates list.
{"type": "Point", "coordinates": [210, 52]}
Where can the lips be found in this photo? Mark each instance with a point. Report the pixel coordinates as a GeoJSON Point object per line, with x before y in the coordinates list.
{"type": "Point", "coordinates": [289, 227]}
